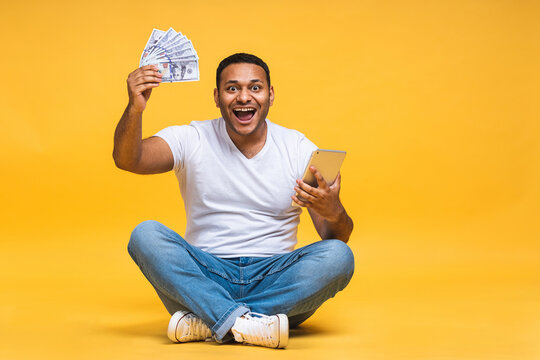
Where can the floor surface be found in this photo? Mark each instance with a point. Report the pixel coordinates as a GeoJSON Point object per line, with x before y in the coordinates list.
{"type": "Point", "coordinates": [83, 298]}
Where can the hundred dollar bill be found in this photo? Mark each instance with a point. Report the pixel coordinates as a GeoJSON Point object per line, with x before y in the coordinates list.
{"type": "Point", "coordinates": [174, 38]}
{"type": "Point", "coordinates": [168, 35]}
{"type": "Point", "coordinates": [176, 60]}
{"type": "Point", "coordinates": [175, 52]}
{"type": "Point", "coordinates": [183, 70]}
{"type": "Point", "coordinates": [163, 58]}
{"type": "Point", "coordinates": [172, 49]}
{"type": "Point", "coordinates": [154, 38]}
{"type": "Point", "coordinates": [180, 49]}
{"type": "Point", "coordinates": [184, 58]}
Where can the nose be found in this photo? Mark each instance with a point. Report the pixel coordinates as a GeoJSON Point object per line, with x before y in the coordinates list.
{"type": "Point", "coordinates": [244, 96]}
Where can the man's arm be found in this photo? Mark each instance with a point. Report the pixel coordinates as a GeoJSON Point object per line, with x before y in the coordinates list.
{"type": "Point", "coordinates": [131, 153]}
{"type": "Point", "coordinates": [327, 213]}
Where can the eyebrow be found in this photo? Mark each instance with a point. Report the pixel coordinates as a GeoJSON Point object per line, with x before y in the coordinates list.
{"type": "Point", "coordinates": [236, 81]}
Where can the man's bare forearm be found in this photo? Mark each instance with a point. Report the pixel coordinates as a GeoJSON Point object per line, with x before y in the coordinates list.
{"type": "Point", "coordinates": [128, 139]}
{"type": "Point", "coordinates": [340, 228]}
{"type": "Point", "coordinates": [128, 135]}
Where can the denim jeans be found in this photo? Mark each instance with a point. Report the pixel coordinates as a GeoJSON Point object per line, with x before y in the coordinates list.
{"type": "Point", "coordinates": [218, 290]}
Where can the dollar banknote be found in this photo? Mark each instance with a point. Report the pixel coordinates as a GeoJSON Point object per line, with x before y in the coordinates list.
{"type": "Point", "coordinates": [166, 37]}
{"type": "Point", "coordinates": [154, 38]}
{"type": "Point", "coordinates": [173, 54]}
{"type": "Point", "coordinates": [181, 70]}
{"type": "Point", "coordinates": [176, 51]}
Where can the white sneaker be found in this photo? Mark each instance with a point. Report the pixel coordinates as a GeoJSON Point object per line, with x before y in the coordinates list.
{"type": "Point", "coordinates": [185, 326]}
{"type": "Point", "coordinates": [257, 329]}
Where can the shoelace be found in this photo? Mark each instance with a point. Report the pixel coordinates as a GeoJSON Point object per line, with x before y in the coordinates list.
{"type": "Point", "coordinates": [256, 330]}
{"type": "Point", "coordinates": [195, 328]}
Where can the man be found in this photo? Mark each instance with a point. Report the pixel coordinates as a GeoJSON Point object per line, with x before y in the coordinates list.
{"type": "Point", "coordinates": [235, 276]}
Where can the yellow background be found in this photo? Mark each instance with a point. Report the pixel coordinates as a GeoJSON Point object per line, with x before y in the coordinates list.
{"type": "Point", "coordinates": [436, 103]}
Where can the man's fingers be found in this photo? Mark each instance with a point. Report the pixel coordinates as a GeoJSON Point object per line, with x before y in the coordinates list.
{"type": "Point", "coordinates": [145, 74]}
{"type": "Point", "coordinates": [147, 79]}
{"type": "Point", "coordinates": [143, 87]}
{"type": "Point", "coordinates": [320, 180]}
{"type": "Point", "coordinates": [299, 202]}
{"type": "Point", "coordinates": [141, 70]}
{"type": "Point", "coordinates": [306, 187]}
{"type": "Point", "coordinates": [151, 72]}
{"type": "Point", "coordinates": [303, 194]}
{"type": "Point", "coordinates": [144, 71]}
{"type": "Point", "coordinates": [148, 74]}
{"type": "Point", "coordinates": [337, 182]}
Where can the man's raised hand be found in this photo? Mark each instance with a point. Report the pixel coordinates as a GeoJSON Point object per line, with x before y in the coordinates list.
{"type": "Point", "coordinates": [140, 84]}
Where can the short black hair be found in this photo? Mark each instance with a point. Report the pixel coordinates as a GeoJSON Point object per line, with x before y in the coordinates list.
{"type": "Point", "coordinates": [241, 58]}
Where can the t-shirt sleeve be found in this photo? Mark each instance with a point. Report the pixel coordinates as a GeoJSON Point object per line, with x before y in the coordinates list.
{"type": "Point", "coordinates": [305, 149]}
{"type": "Point", "coordinates": [182, 140]}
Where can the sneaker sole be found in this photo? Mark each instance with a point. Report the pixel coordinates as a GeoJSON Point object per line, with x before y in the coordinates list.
{"type": "Point", "coordinates": [283, 322]}
{"type": "Point", "coordinates": [173, 324]}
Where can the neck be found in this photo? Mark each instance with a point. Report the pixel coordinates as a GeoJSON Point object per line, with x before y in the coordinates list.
{"type": "Point", "coordinates": [250, 144]}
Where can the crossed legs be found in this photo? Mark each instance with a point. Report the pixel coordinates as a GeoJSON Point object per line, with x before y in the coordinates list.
{"type": "Point", "coordinates": [220, 290]}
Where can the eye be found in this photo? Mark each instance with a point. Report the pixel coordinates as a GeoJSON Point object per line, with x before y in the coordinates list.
{"type": "Point", "coordinates": [255, 88]}
{"type": "Point", "coordinates": [232, 88]}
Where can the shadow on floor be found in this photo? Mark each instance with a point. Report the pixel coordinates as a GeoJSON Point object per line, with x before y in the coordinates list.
{"type": "Point", "coordinates": [157, 329]}
{"type": "Point", "coordinates": [308, 329]}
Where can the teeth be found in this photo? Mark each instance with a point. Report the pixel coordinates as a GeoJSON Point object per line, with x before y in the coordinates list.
{"type": "Point", "coordinates": [246, 109]}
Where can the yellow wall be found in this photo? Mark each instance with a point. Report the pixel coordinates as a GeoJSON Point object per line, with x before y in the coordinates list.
{"type": "Point", "coordinates": [436, 103]}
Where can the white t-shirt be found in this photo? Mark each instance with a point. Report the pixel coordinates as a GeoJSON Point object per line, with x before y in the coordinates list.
{"type": "Point", "coordinates": [237, 206]}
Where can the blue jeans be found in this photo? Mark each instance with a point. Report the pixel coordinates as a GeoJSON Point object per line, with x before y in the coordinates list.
{"type": "Point", "coordinates": [219, 290]}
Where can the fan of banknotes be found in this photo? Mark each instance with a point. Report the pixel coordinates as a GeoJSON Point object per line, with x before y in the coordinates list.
{"type": "Point", "coordinates": [173, 54]}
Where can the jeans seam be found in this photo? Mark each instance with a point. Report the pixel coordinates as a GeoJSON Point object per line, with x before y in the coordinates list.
{"type": "Point", "coordinates": [286, 265]}
{"type": "Point", "coordinates": [212, 270]}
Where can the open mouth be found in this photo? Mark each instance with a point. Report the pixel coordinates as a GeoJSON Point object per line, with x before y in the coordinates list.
{"type": "Point", "coordinates": [244, 114]}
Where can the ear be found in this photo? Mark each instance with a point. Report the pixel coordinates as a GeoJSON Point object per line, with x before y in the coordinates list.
{"type": "Point", "coordinates": [216, 97]}
{"type": "Point", "coordinates": [271, 95]}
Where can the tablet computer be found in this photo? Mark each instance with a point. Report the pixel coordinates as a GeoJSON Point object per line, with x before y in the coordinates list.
{"type": "Point", "coordinates": [328, 162]}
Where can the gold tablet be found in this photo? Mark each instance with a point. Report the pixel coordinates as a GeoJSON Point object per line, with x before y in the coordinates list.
{"type": "Point", "coordinates": [328, 162]}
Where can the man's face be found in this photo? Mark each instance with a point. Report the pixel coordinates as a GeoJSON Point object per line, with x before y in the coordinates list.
{"type": "Point", "coordinates": [244, 98]}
